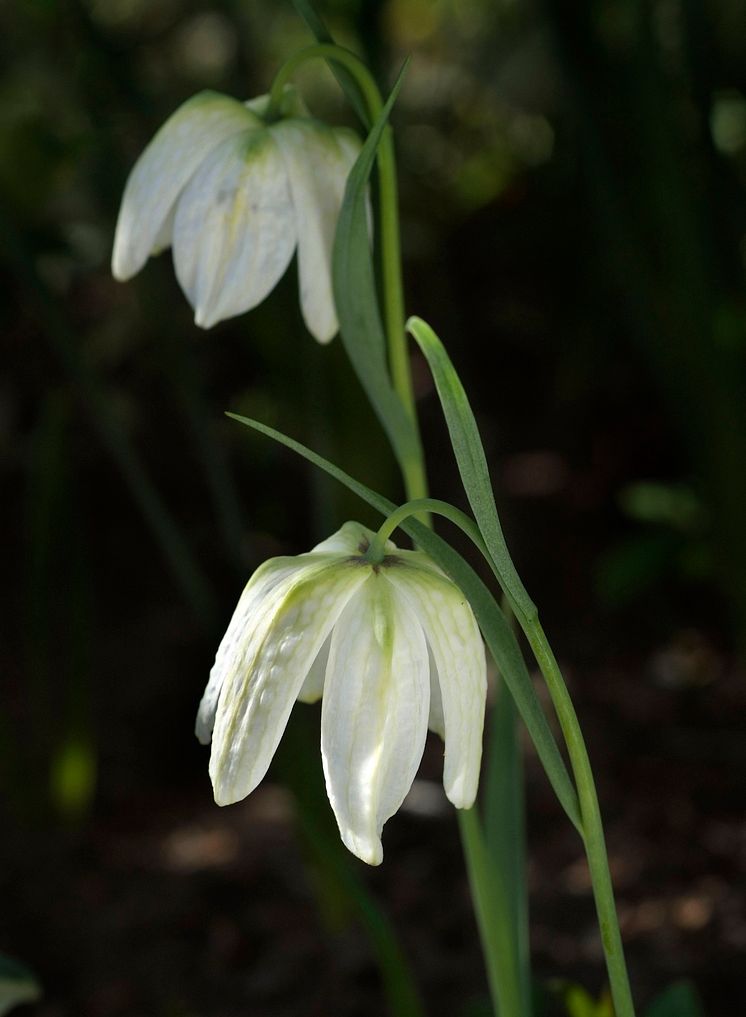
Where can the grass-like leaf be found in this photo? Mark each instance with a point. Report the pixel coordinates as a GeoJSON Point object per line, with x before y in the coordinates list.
{"type": "Point", "coordinates": [504, 822]}
{"type": "Point", "coordinates": [471, 460]}
{"type": "Point", "coordinates": [356, 299]}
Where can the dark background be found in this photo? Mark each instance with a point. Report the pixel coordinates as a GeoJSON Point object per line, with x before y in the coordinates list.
{"type": "Point", "coordinates": [574, 227]}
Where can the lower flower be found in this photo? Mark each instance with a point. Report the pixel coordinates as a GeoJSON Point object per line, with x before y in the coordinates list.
{"type": "Point", "coordinates": [391, 647]}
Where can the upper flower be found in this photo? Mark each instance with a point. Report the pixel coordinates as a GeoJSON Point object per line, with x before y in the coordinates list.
{"type": "Point", "coordinates": [393, 647]}
{"type": "Point", "coordinates": [234, 196]}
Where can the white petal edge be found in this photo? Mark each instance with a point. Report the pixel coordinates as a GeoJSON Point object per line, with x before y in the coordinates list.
{"type": "Point", "coordinates": [374, 713]}
{"type": "Point", "coordinates": [234, 231]}
{"type": "Point", "coordinates": [163, 169]}
{"type": "Point", "coordinates": [457, 649]}
{"type": "Point", "coordinates": [318, 160]}
{"type": "Point", "coordinates": [253, 605]}
{"type": "Point", "coordinates": [256, 698]}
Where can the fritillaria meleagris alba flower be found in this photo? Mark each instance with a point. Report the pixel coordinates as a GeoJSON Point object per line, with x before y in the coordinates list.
{"type": "Point", "coordinates": [234, 196]}
{"type": "Point", "coordinates": [392, 649]}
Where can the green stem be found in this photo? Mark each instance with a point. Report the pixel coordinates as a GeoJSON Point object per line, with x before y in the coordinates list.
{"type": "Point", "coordinates": [415, 479]}
{"type": "Point", "coordinates": [593, 834]}
{"type": "Point", "coordinates": [338, 54]}
{"type": "Point", "coordinates": [419, 507]}
{"type": "Point", "coordinates": [492, 908]}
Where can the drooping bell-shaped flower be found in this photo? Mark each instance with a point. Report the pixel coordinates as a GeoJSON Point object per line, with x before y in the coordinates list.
{"type": "Point", "coordinates": [392, 648]}
{"type": "Point", "coordinates": [235, 196]}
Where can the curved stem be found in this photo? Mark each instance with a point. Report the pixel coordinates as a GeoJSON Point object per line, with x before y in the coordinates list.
{"type": "Point", "coordinates": [418, 507]}
{"type": "Point", "coordinates": [326, 51]}
{"type": "Point", "coordinates": [415, 480]}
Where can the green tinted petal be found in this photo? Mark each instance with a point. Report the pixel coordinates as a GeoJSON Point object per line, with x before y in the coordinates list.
{"type": "Point", "coordinates": [234, 231]}
{"type": "Point", "coordinates": [374, 713]}
{"type": "Point", "coordinates": [458, 652]}
{"type": "Point", "coordinates": [164, 168]}
{"type": "Point", "coordinates": [351, 539]}
{"type": "Point", "coordinates": [317, 167]}
{"type": "Point", "coordinates": [258, 695]}
{"type": "Point", "coordinates": [254, 608]}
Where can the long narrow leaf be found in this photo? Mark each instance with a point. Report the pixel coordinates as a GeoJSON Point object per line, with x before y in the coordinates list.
{"type": "Point", "coordinates": [472, 462]}
{"type": "Point", "coordinates": [497, 633]}
{"type": "Point", "coordinates": [356, 299]}
{"type": "Point", "coordinates": [504, 822]}
{"type": "Point", "coordinates": [492, 908]}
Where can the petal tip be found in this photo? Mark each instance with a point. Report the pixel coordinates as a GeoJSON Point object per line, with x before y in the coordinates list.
{"type": "Point", "coordinates": [204, 320]}
{"type": "Point", "coordinates": [324, 337]}
{"type": "Point", "coordinates": [122, 268]}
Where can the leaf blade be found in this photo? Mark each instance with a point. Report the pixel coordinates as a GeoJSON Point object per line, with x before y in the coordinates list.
{"type": "Point", "coordinates": [356, 300]}
{"type": "Point", "coordinates": [471, 460]}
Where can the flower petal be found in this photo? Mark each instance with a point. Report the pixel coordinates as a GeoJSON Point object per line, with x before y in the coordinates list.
{"type": "Point", "coordinates": [313, 686]}
{"type": "Point", "coordinates": [234, 232]}
{"type": "Point", "coordinates": [353, 539]}
{"type": "Point", "coordinates": [264, 680]}
{"type": "Point", "coordinates": [163, 169]}
{"type": "Point", "coordinates": [435, 720]}
{"type": "Point", "coordinates": [458, 652]}
{"type": "Point", "coordinates": [254, 607]}
{"type": "Point", "coordinates": [374, 713]}
{"type": "Point", "coordinates": [318, 160]}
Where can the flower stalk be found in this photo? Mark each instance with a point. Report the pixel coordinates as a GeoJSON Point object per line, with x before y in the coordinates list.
{"type": "Point", "coordinates": [392, 292]}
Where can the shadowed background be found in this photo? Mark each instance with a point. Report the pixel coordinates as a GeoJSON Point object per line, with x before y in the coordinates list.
{"type": "Point", "coordinates": [574, 219]}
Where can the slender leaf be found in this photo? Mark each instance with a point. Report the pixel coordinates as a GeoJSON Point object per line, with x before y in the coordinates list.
{"type": "Point", "coordinates": [347, 82]}
{"type": "Point", "coordinates": [472, 462]}
{"type": "Point", "coordinates": [491, 896]}
{"type": "Point", "coordinates": [356, 299]}
{"type": "Point", "coordinates": [496, 630]}
{"type": "Point", "coordinates": [504, 821]}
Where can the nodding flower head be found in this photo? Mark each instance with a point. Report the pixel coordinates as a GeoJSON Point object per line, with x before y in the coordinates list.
{"type": "Point", "coordinates": [234, 195]}
{"type": "Point", "coordinates": [392, 649]}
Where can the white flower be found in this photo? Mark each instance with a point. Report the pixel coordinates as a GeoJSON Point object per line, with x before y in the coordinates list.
{"type": "Point", "coordinates": [393, 648]}
{"type": "Point", "coordinates": [234, 196]}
